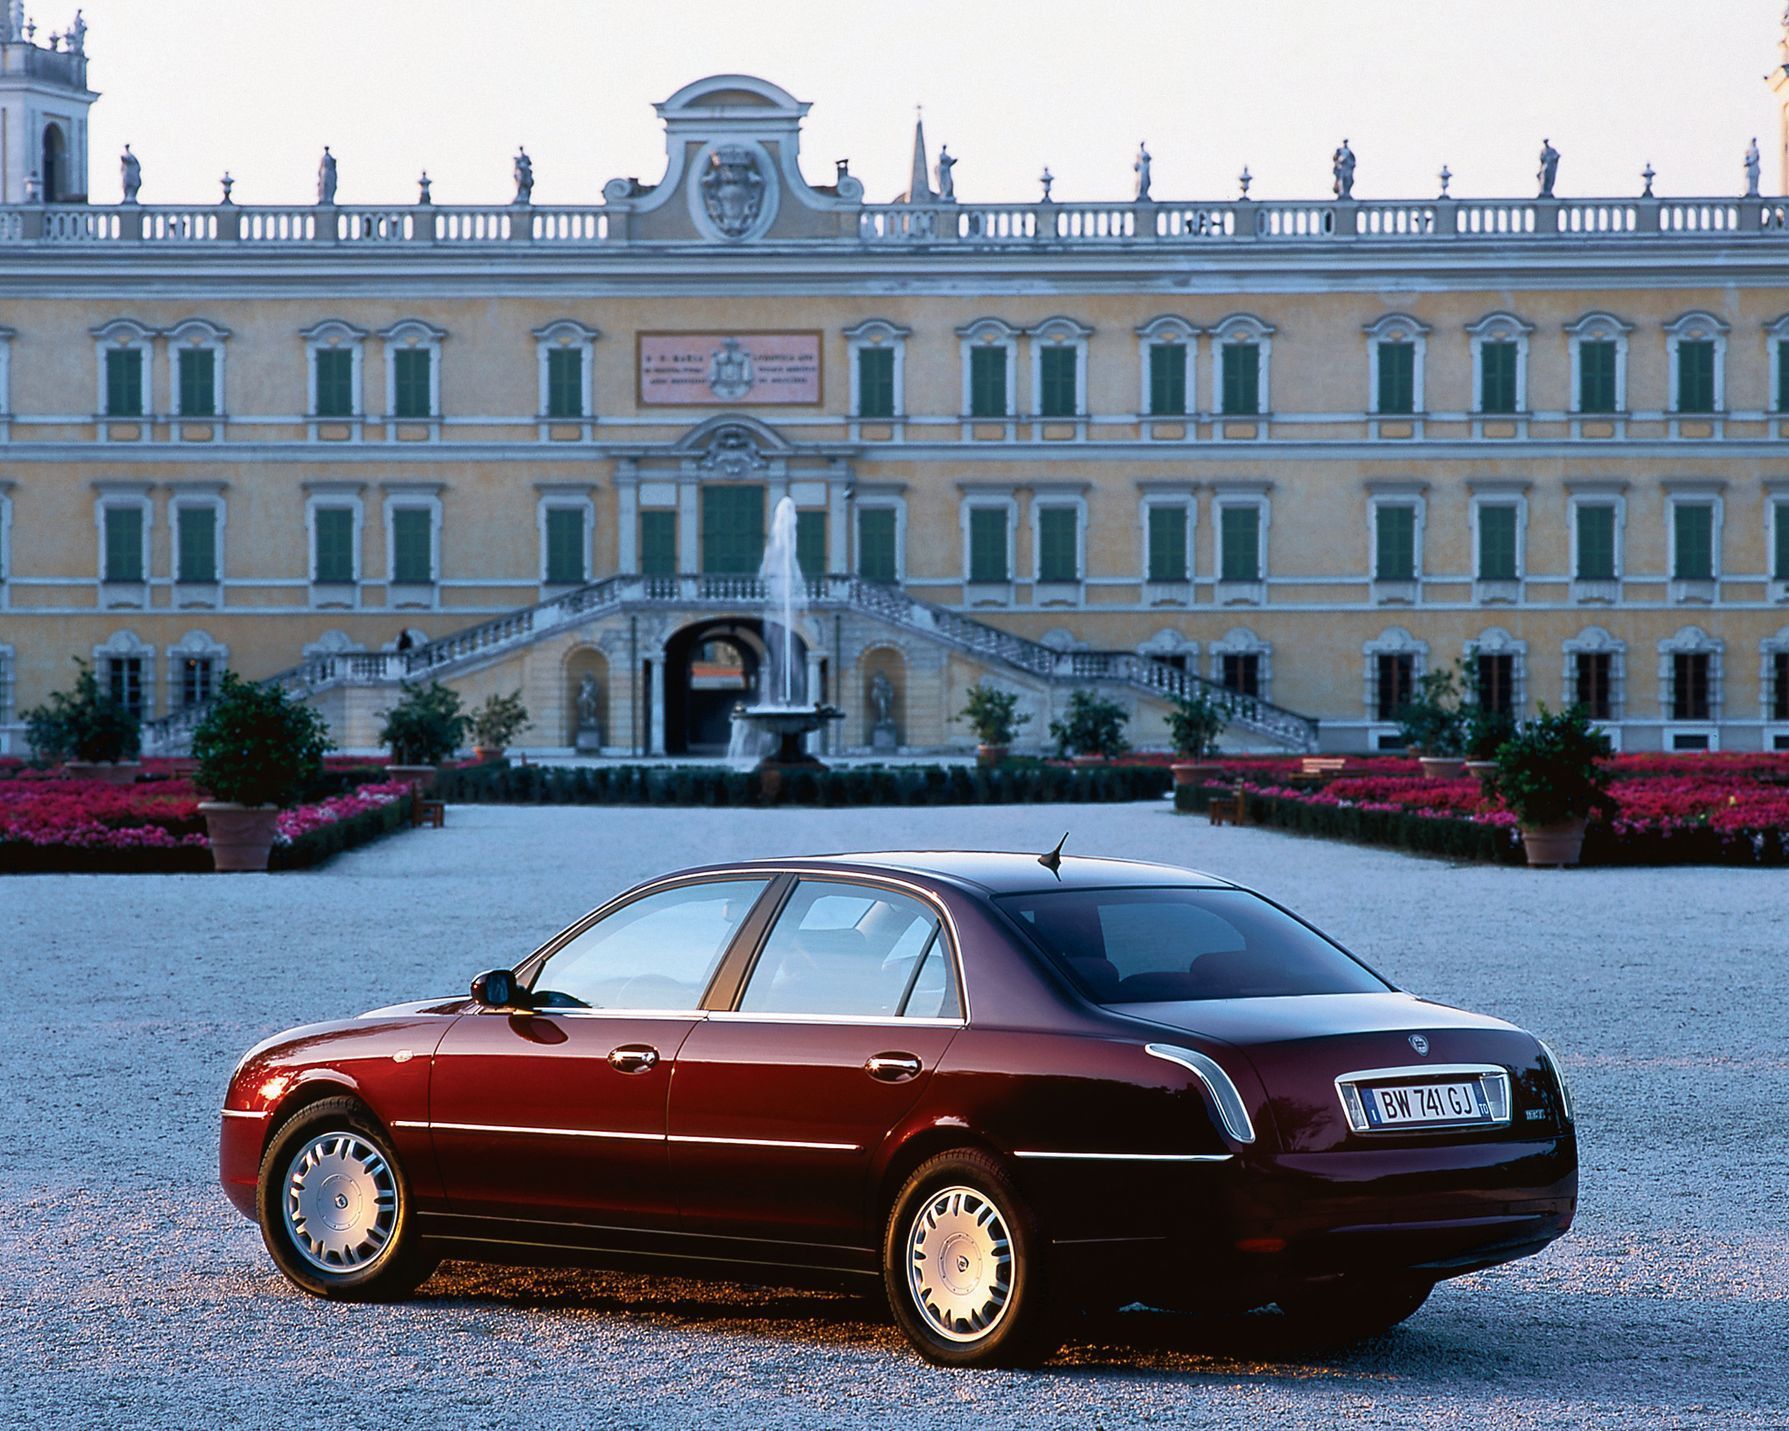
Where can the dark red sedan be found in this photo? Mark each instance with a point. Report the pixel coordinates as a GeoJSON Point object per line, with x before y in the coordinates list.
{"type": "Point", "coordinates": [1003, 1086]}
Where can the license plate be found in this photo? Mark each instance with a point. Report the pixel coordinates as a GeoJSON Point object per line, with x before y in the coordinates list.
{"type": "Point", "coordinates": [1425, 1104]}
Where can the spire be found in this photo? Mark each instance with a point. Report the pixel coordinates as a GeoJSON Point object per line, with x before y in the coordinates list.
{"type": "Point", "coordinates": [919, 184]}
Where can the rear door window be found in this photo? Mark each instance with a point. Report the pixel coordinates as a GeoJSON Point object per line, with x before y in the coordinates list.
{"type": "Point", "coordinates": [853, 950]}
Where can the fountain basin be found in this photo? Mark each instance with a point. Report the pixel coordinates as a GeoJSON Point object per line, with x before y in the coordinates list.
{"type": "Point", "coordinates": [789, 724]}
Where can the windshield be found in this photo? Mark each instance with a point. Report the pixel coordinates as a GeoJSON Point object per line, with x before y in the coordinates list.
{"type": "Point", "coordinates": [1132, 946]}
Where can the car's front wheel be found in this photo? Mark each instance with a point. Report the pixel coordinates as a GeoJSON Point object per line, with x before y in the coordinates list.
{"type": "Point", "coordinates": [335, 1206]}
{"type": "Point", "coordinates": [962, 1261]}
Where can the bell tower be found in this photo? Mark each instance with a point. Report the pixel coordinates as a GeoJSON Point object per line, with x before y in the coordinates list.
{"type": "Point", "coordinates": [44, 101]}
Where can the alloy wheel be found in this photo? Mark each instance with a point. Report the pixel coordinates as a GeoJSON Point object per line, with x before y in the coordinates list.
{"type": "Point", "coordinates": [960, 1264]}
{"type": "Point", "coordinates": [340, 1201]}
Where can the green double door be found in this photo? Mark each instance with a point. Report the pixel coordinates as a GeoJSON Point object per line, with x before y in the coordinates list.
{"type": "Point", "coordinates": [732, 530]}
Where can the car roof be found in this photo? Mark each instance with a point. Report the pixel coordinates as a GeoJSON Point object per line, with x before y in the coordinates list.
{"type": "Point", "coordinates": [995, 871]}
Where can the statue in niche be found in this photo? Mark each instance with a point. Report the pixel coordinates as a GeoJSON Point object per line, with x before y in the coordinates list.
{"type": "Point", "coordinates": [883, 736]}
{"type": "Point", "coordinates": [1752, 166]}
{"type": "Point", "coordinates": [1549, 170]}
{"type": "Point", "coordinates": [947, 184]}
{"type": "Point", "coordinates": [524, 177]}
{"type": "Point", "coordinates": [1342, 166]}
{"type": "Point", "coordinates": [589, 735]}
{"type": "Point", "coordinates": [1142, 169]}
{"type": "Point", "coordinates": [130, 174]}
{"type": "Point", "coordinates": [326, 177]}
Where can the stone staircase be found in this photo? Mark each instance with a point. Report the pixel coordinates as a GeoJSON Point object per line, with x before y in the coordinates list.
{"type": "Point", "coordinates": [490, 640]}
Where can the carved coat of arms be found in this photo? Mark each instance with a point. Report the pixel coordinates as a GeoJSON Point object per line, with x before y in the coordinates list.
{"type": "Point", "coordinates": [733, 190]}
{"type": "Point", "coordinates": [730, 370]}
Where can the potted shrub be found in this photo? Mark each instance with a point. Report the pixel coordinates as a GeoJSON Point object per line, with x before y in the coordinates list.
{"type": "Point", "coordinates": [425, 727]}
{"type": "Point", "coordinates": [1486, 731]}
{"type": "Point", "coordinates": [497, 722]}
{"type": "Point", "coordinates": [87, 731]}
{"type": "Point", "coordinates": [1550, 774]}
{"type": "Point", "coordinates": [994, 716]}
{"type": "Point", "coordinates": [1194, 726]}
{"type": "Point", "coordinates": [1091, 729]}
{"type": "Point", "coordinates": [258, 750]}
{"type": "Point", "coordinates": [1432, 724]}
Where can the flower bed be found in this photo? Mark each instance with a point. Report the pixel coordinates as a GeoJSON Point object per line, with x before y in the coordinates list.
{"type": "Point", "coordinates": [57, 825]}
{"type": "Point", "coordinates": [1671, 809]}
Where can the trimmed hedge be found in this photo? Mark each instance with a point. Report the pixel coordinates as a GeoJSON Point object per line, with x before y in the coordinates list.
{"type": "Point", "coordinates": [500, 783]}
{"type": "Point", "coordinates": [324, 843]}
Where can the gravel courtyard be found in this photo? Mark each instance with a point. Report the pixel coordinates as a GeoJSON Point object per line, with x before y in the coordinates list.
{"type": "Point", "coordinates": [132, 1294]}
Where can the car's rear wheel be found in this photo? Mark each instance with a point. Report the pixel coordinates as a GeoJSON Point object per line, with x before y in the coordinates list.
{"type": "Point", "coordinates": [334, 1206]}
{"type": "Point", "coordinates": [1350, 1309]}
{"type": "Point", "coordinates": [962, 1262]}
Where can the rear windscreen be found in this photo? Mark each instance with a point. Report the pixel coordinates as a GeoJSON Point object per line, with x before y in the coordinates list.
{"type": "Point", "coordinates": [1127, 946]}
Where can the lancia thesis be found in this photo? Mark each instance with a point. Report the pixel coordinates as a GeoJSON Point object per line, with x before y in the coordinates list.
{"type": "Point", "coordinates": [1003, 1087]}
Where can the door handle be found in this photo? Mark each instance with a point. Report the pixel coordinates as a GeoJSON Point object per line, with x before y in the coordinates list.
{"type": "Point", "coordinates": [634, 1058]}
{"type": "Point", "coordinates": [893, 1067]}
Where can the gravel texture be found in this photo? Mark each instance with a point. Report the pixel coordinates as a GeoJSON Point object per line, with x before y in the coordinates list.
{"type": "Point", "coordinates": [132, 1294]}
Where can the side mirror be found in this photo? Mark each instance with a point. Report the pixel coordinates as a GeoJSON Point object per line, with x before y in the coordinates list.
{"type": "Point", "coordinates": [499, 989]}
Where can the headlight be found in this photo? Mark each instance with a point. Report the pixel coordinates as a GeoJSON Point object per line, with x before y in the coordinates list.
{"type": "Point", "coordinates": [1565, 1094]}
{"type": "Point", "coordinates": [1217, 1083]}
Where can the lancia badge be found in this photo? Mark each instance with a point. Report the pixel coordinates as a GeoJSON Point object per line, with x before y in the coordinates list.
{"type": "Point", "coordinates": [1420, 1044]}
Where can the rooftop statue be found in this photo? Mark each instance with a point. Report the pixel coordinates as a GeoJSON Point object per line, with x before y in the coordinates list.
{"type": "Point", "coordinates": [130, 174]}
{"type": "Point", "coordinates": [326, 177]}
{"type": "Point", "coordinates": [1752, 163]}
{"type": "Point", "coordinates": [524, 176]}
{"type": "Point", "coordinates": [1141, 166]}
{"type": "Point", "coordinates": [77, 35]}
{"type": "Point", "coordinates": [947, 184]}
{"type": "Point", "coordinates": [1342, 164]}
{"type": "Point", "coordinates": [1549, 170]}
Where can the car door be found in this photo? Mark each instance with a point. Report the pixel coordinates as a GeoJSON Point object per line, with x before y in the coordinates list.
{"type": "Point", "coordinates": [559, 1113]}
{"type": "Point", "coordinates": [780, 1103]}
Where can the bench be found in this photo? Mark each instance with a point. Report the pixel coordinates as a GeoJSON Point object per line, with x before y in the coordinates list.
{"type": "Point", "coordinates": [1316, 769]}
{"type": "Point", "coordinates": [1228, 809]}
{"type": "Point", "coordinates": [427, 812]}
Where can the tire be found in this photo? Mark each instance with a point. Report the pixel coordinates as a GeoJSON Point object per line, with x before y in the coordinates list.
{"type": "Point", "coordinates": [1350, 1309]}
{"type": "Point", "coordinates": [963, 1263]}
{"type": "Point", "coordinates": [330, 1158]}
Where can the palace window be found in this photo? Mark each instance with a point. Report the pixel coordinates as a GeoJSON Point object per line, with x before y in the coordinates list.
{"type": "Point", "coordinates": [1242, 344]}
{"type": "Point", "coordinates": [1698, 345]}
{"type": "Point", "coordinates": [1394, 541]}
{"type": "Point", "coordinates": [1059, 367]}
{"type": "Point", "coordinates": [1779, 539]}
{"type": "Point", "coordinates": [1692, 541]}
{"type": "Point", "coordinates": [658, 542]}
{"type": "Point", "coordinates": [1594, 542]}
{"type": "Point", "coordinates": [1499, 546]}
{"type": "Point", "coordinates": [1497, 378]}
{"type": "Point", "coordinates": [124, 386]}
{"type": "Point", "coordinates": [197, 680]}
{"type": "Point", "coordinates": [196, 353]}
{"type": "Point", "coordinates": [1396, 344]}
{"type": "Point", "coordinates": [1166, 347]}
{"type": "Point", "coordinates": [990, 560]}
{"type": "Point", "coordinates": [1240, 662]}
{"type": "Point", "coordinates": [1239, 542]}
{"type": "Point", "coordinates": [877, 350]}
{"type": "Point", "coordinates": [732, 529]}
{"type": "Point", "coordinates": [1690, 685]}
{"type": "Point", "coordinates": [1593, 683]}
{"type": "Point", "coordinates": [989, 349]}
{"type": "Point", "coordinates": [810, 542]}
{"type": "Point", "coordinates": [194, 665]}
{"type": "Point", "coordinates": [1499, 363]}
{"type": "Point", "coordinates": [878, 537]}
{"type": "Point", "coordinates": [1598, 343]}
{"type": "Point", "coordinates": [1495, 680]}
{"type": "Point", "coordinates": [1169, 528]}
{"type": "Point", "coordinates": [333, 556]}
{"type": "Point", "coordinates": [566, 352]}
{"type": "Point", "coordinates": [412, 546]}
{"type": "Point", "coordinates": [987, 382]}
{"type": "Point", "coordinates": [1776, 677]}
{"type": "Point", "coordinates": [1596, 376]}
{"type": "Point", "coordinates": [1394, 664]}
{"type": "Point", "coordinates": [875, 382]}
{"type": "Point", "coordinates": [124, 668]}
{"type": "Point", "coordinates": [195, 543]}
{"type": "Point", "coordinates": [1058, 543]}
{"type": "Point", "coordinates": [124, 557]}
{"type": "Point", "coordinates": [334, 350]}
{"type": "Point", "coordinates": [565, 542]}
{"type": "Point", "coordinates": [1690, 676]}
{"type": "Point", "coordinates": [1777, 345]}
{"type": "Point", "coordinates": [6, 661]}
{"type": "Point", "coordinates": [565, 382]}
{"type": "Point", "coordinates": [413, 369]}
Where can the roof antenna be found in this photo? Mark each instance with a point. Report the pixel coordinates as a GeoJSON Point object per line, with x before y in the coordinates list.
{"type": "Point", "coordinates": [1053, 861]}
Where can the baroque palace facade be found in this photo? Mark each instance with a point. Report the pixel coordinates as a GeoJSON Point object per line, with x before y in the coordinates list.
{"type": "Point", "coordinates": [1302, 452]}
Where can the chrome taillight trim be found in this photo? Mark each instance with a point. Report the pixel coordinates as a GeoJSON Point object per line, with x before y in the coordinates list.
{"type": "Point", "coordinates": [1493, 1079]}
{"type": "Point", "coordinates": [1565, 1093]}
{"type": "Point", "coordinates": [1232, 1112]}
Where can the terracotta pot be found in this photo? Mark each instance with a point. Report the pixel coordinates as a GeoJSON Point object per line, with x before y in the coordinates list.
{"type": "Point", "coordinates": [1443, 767]}
{"type": "Point", "coordinates": [107, 772]}
{"type": "Point", "coordinates": [1558, 844]}
{"type": "Point", "coordinates": [1481, 768]}
{"type": "Point", "coordinates": [422, 777]}
{"type": "Point", "coordinates": [1195, 772]}
{"type": "Point", "coordinates": [241, 835]}
{"type": "Point", "coordinates": [486, 753]}
{"type": "Point", "coordinates": [991, 754]}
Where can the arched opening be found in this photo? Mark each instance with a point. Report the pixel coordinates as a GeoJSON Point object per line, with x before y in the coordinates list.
{"type": "Point", "coordinates": [710, 668]}
{"type": "Point", "coordinates": [54, 166]}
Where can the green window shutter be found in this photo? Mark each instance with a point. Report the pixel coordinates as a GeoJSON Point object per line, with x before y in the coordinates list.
{"type": "Point", "coordinates": [124, 543]}
{"type": "Point", "coordinates": [810, 543]}
{"type": "Point", "coordinates": [1782, 376]}
{"type": "Point", "coordinates": [124, 382]}
{"type": "Point", "coordinates": [1596, 376]}
{"type": "Point", "coordinates": [1167, 543]}
{"type": "Point", "coordinates": [1695, 375]}
{"type": "Point", "coordinates": [875, 382]}
{"type": "Point", "coordinates": [987, 381]}
{"type": "Point", "coordinates": [1496, 543]}
{"type": "Point", "coordinates": [1056, 370]}
{"type": "Point", "coordinates": [732, 530]}
{"type": "Point", "coordinates": [1239, 534]}
{"type": "Point", "coordinates": [658, 543]}
{"type": "Point", "coordinates": [412, 532]}
{"type": "Point", "coordinates": [1167, 379]}
{"type": "Point", "coordinates": [876, 543]}
{"type": "Point", "coordinates": [1058, 555]}
{"type": "Point", "coordinates": [1397, 377]}
{"type": "Point", "coordinates": [410, 383]}
{"type": "Point", "coordinates": [565, 382]}
{"type": "Point", "coordinates": [334, 560]}
{"type": "Point", "coordinates": [1694, 529]}
{"type": "Point", "coordinates": [565, 545]}
{"type": "Point", "coordinates": [1497, 377]}
{"type": "Point", "coordinates": [1242, 379]}
{"type": "Point", "coordinates": [198, 382]}
{"type": "Point", "coordinates": [1780, 518]}
{"type": "Point", "coordinates": [335, 382]}
{"type": "Point", "coordinates": [1596, 544]}
{"type": "Point", "coordinates": [196, 539]}
{"type": "Point", "coordinates": [987, 544]}
{"type": "Point", "coordinates": [1396, 532]}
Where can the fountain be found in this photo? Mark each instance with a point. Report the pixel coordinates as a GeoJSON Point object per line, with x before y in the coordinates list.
{"type": "Point", "coordinates": [782, 710]}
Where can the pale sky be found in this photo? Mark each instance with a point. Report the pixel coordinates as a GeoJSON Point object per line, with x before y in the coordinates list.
{"type": "Point", "coordinates": [394, 86]}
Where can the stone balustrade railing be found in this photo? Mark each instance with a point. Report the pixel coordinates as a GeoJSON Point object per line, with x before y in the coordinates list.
{"type": "Point", "coordinates": [1174, 225]}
